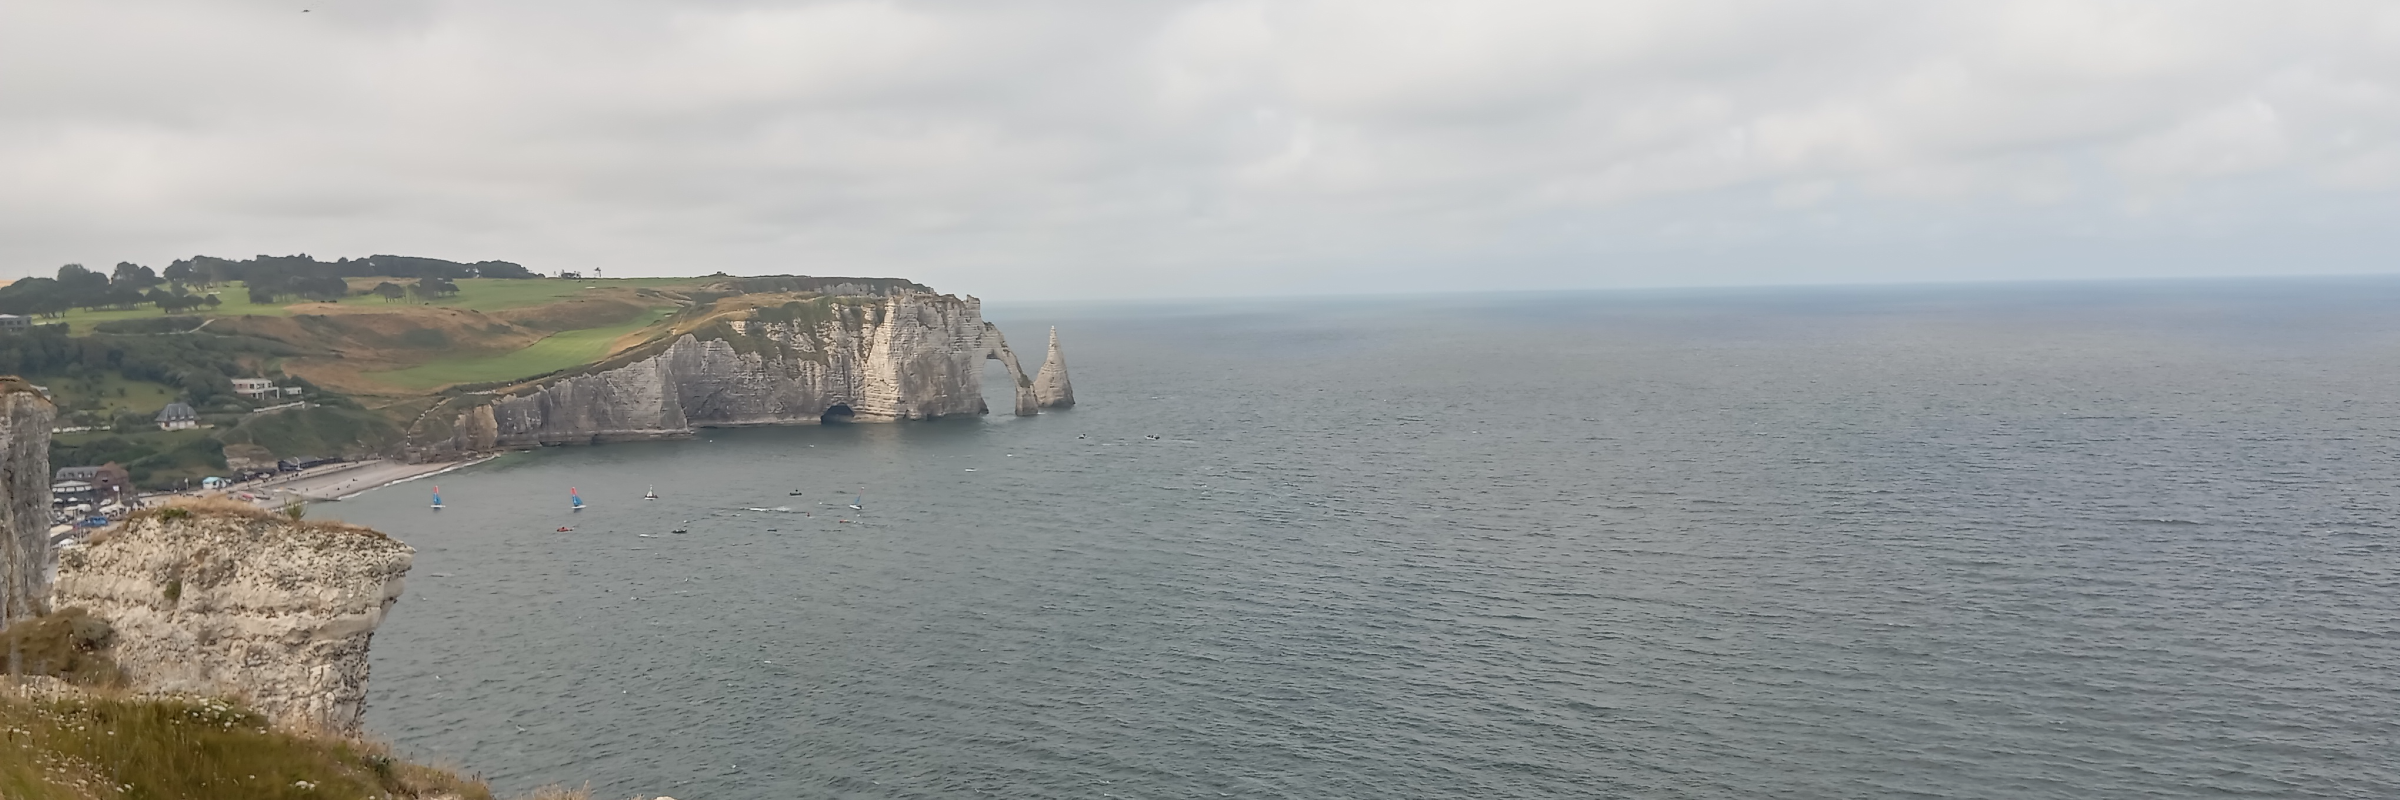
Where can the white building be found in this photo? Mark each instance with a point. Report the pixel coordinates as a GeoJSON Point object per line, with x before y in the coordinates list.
{"type": "Point", "coordinates": [254, 388]}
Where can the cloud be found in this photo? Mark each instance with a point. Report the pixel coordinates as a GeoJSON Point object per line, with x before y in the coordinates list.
{"type": "Point", "coordinates": [1212, 146]}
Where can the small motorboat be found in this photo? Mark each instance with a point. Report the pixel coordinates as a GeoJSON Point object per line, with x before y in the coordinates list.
{"type": "Point", "coordinates": [564, 529]}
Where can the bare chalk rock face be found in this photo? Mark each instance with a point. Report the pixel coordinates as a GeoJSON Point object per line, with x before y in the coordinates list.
{"type": "Point", "coordinates": [898, 356]}
{"type": "Point", "coordinates": [1050, 386]}
{"type": "Point", "coordinates": [241, 603]}
{"type": "Point", "coordinates": [25, 419]}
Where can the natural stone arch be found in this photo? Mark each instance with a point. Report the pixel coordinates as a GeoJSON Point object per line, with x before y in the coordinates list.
{"type": "Point", "coordinates": [995, 347]}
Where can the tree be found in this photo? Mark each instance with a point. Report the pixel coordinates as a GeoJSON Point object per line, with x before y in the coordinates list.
{"type": "Point", "coordinates": [320, 287]}
{"type": "Point", "coordinates": [211, 301]}
{"type": "Point", "coordinates": [389, 291]}
{"type": "Point", "coordinates": [181, 272]}
{"type": "Point", "coordinates": [134, 275]}
{"type": "Point", "coordinates": [80, 282]}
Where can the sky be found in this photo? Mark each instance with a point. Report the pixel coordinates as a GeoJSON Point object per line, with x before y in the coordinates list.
{"type": "Point", "coordinates": [1077, 150]}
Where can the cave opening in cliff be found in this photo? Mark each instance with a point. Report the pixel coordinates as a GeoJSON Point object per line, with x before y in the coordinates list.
{"type": "Point", "coordinates": [840, 412]}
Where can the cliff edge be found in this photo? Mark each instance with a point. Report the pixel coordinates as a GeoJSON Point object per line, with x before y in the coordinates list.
{"type": "Point", "coordinates": [211, 600]}
{"type": "Point", "coordinates": [770, 359]}
{"type": "Point", "coordinates": [25, 420]}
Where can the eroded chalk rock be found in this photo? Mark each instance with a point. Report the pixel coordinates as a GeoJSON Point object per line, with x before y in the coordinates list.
{"type": "Point", "coordinates": [1050, 386]}
{"type": "Point", "coordinates": [250, 605]}
{"type": "Point", "coordinates": [25, 419]}
{"type": "Point", "coordinates": [899, 356]}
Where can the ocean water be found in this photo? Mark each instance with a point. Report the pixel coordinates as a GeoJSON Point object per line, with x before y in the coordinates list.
{"type": "Point", "coordinates": [2038, 541]}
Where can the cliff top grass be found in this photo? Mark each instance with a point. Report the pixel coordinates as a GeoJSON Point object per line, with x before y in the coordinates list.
{"type": "Point", "coordinates": [552, 353]}
{"type": "Point", "coordinates": [180, 508]}
{"type": "Point", "coordinates": [86, 746]}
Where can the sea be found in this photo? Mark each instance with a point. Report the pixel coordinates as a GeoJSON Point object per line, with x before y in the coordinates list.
{"type": "Point", "coordinates": [2064, 540]}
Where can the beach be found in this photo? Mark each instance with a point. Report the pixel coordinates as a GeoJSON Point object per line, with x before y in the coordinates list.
{"type": "Point", "coordinates": [340, 481]}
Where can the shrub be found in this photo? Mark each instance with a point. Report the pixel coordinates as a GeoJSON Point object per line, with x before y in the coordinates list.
{"type": "Point", "coordinates": [70, 645]}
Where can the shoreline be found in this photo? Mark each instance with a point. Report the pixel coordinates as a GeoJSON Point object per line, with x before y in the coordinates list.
{"type": "Point", "coordinates": [342, 481]}
{"type": "Point", "coordinates": [367, 476]}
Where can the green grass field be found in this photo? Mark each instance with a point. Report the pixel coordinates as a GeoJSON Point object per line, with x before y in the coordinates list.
{"type": "Point", "coordinates": [236, 303]}
{"type": "Point", "coordinates": [555, 352]}
{"type": "Point", "coordinates": [158, 439]}
{"type": "Point", "coordinates": [474, 294]}
{"type": "Point", "coordinates": [109, 391]}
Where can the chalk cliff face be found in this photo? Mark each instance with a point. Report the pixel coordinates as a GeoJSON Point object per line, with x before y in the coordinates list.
{"type": "Point", "coordinates": [897, 356]}
{"type": "Point", "coordinates": [1050, 386]}
{"type": "Point", "coordinates": [221, 603]}
{"type": "Point", "coordinates": [25, 419]}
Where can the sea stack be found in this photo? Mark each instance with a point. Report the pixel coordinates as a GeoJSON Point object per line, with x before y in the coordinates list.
{"type": "Point", "coordinates": [25, 418]}
{"type": "Point", "coordinates": [1051, 388]}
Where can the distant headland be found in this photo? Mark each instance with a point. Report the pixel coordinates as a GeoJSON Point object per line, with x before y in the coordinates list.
{"type": "Point", "coordinates": [221, 368]}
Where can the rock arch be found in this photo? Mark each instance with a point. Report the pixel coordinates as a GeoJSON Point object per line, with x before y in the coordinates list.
{"type": "Point", "coordinates": [995, 347]}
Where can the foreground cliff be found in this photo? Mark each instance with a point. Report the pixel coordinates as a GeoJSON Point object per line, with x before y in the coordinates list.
{"type": "Point", "coordinates": [230, 601]}
{"type": "Point", "coordinates": [25, 420]}
{"type": "Point", "coordinates": [772, 359]}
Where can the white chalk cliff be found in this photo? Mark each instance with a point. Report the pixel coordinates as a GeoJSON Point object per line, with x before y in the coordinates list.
{"type": "Point", "coordinates": [1050, 386]}
{"type": "Point", "coordinates": [898, 356]}
{"type": "Point", "coordinates": [217, 603]}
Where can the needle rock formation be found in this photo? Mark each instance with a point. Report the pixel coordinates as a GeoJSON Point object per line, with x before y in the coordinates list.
{"type": "Point", "coordinates": [1050, 386]}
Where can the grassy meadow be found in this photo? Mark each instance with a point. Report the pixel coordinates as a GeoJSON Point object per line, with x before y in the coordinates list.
{"type": "Point", "coordinates": [555, 352]}
{"type": "Point", "coordinates": [474, 294]}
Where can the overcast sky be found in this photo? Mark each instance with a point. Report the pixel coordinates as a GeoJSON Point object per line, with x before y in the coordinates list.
{"type": "Point", "coordinates": [1036, 150]}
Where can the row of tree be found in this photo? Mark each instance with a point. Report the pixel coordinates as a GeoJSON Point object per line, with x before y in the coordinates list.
{"type": "Point", "coordinates": [268, 279]}
{"type": "Point", "coordinates": [210, 270]}
{"type": "Point", "coordinates": [423, 289]}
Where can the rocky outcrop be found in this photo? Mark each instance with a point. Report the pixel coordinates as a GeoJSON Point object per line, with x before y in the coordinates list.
{"type": "Point", "coordinates": [876, 358]}
{"type": "Point", "coordinates": [25, 419]}
{"type": "Point", "coordinates": [1051, 388]}
{"type": "Point", "coordinates": [240, 603]}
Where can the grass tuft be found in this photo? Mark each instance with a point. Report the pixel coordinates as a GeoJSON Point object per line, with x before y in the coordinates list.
{"type": "Point", "coordinates": [98, 746]}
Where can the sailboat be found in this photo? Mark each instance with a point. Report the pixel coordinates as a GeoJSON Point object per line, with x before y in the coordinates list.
{"type": "Point", "coordinates": [651, 495]}
{"type": "Point", "coordinates": [437, 497]}
{"type": "Point", "coordinates": [574, 501]}
{"type": "Point", "coordinates": [861, 505]}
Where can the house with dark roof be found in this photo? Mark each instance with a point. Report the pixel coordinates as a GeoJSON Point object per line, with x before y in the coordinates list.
{"type": "Point", "coordinates": [177, 416]}
{"type": "Point", "coordinates": [106, 480]}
